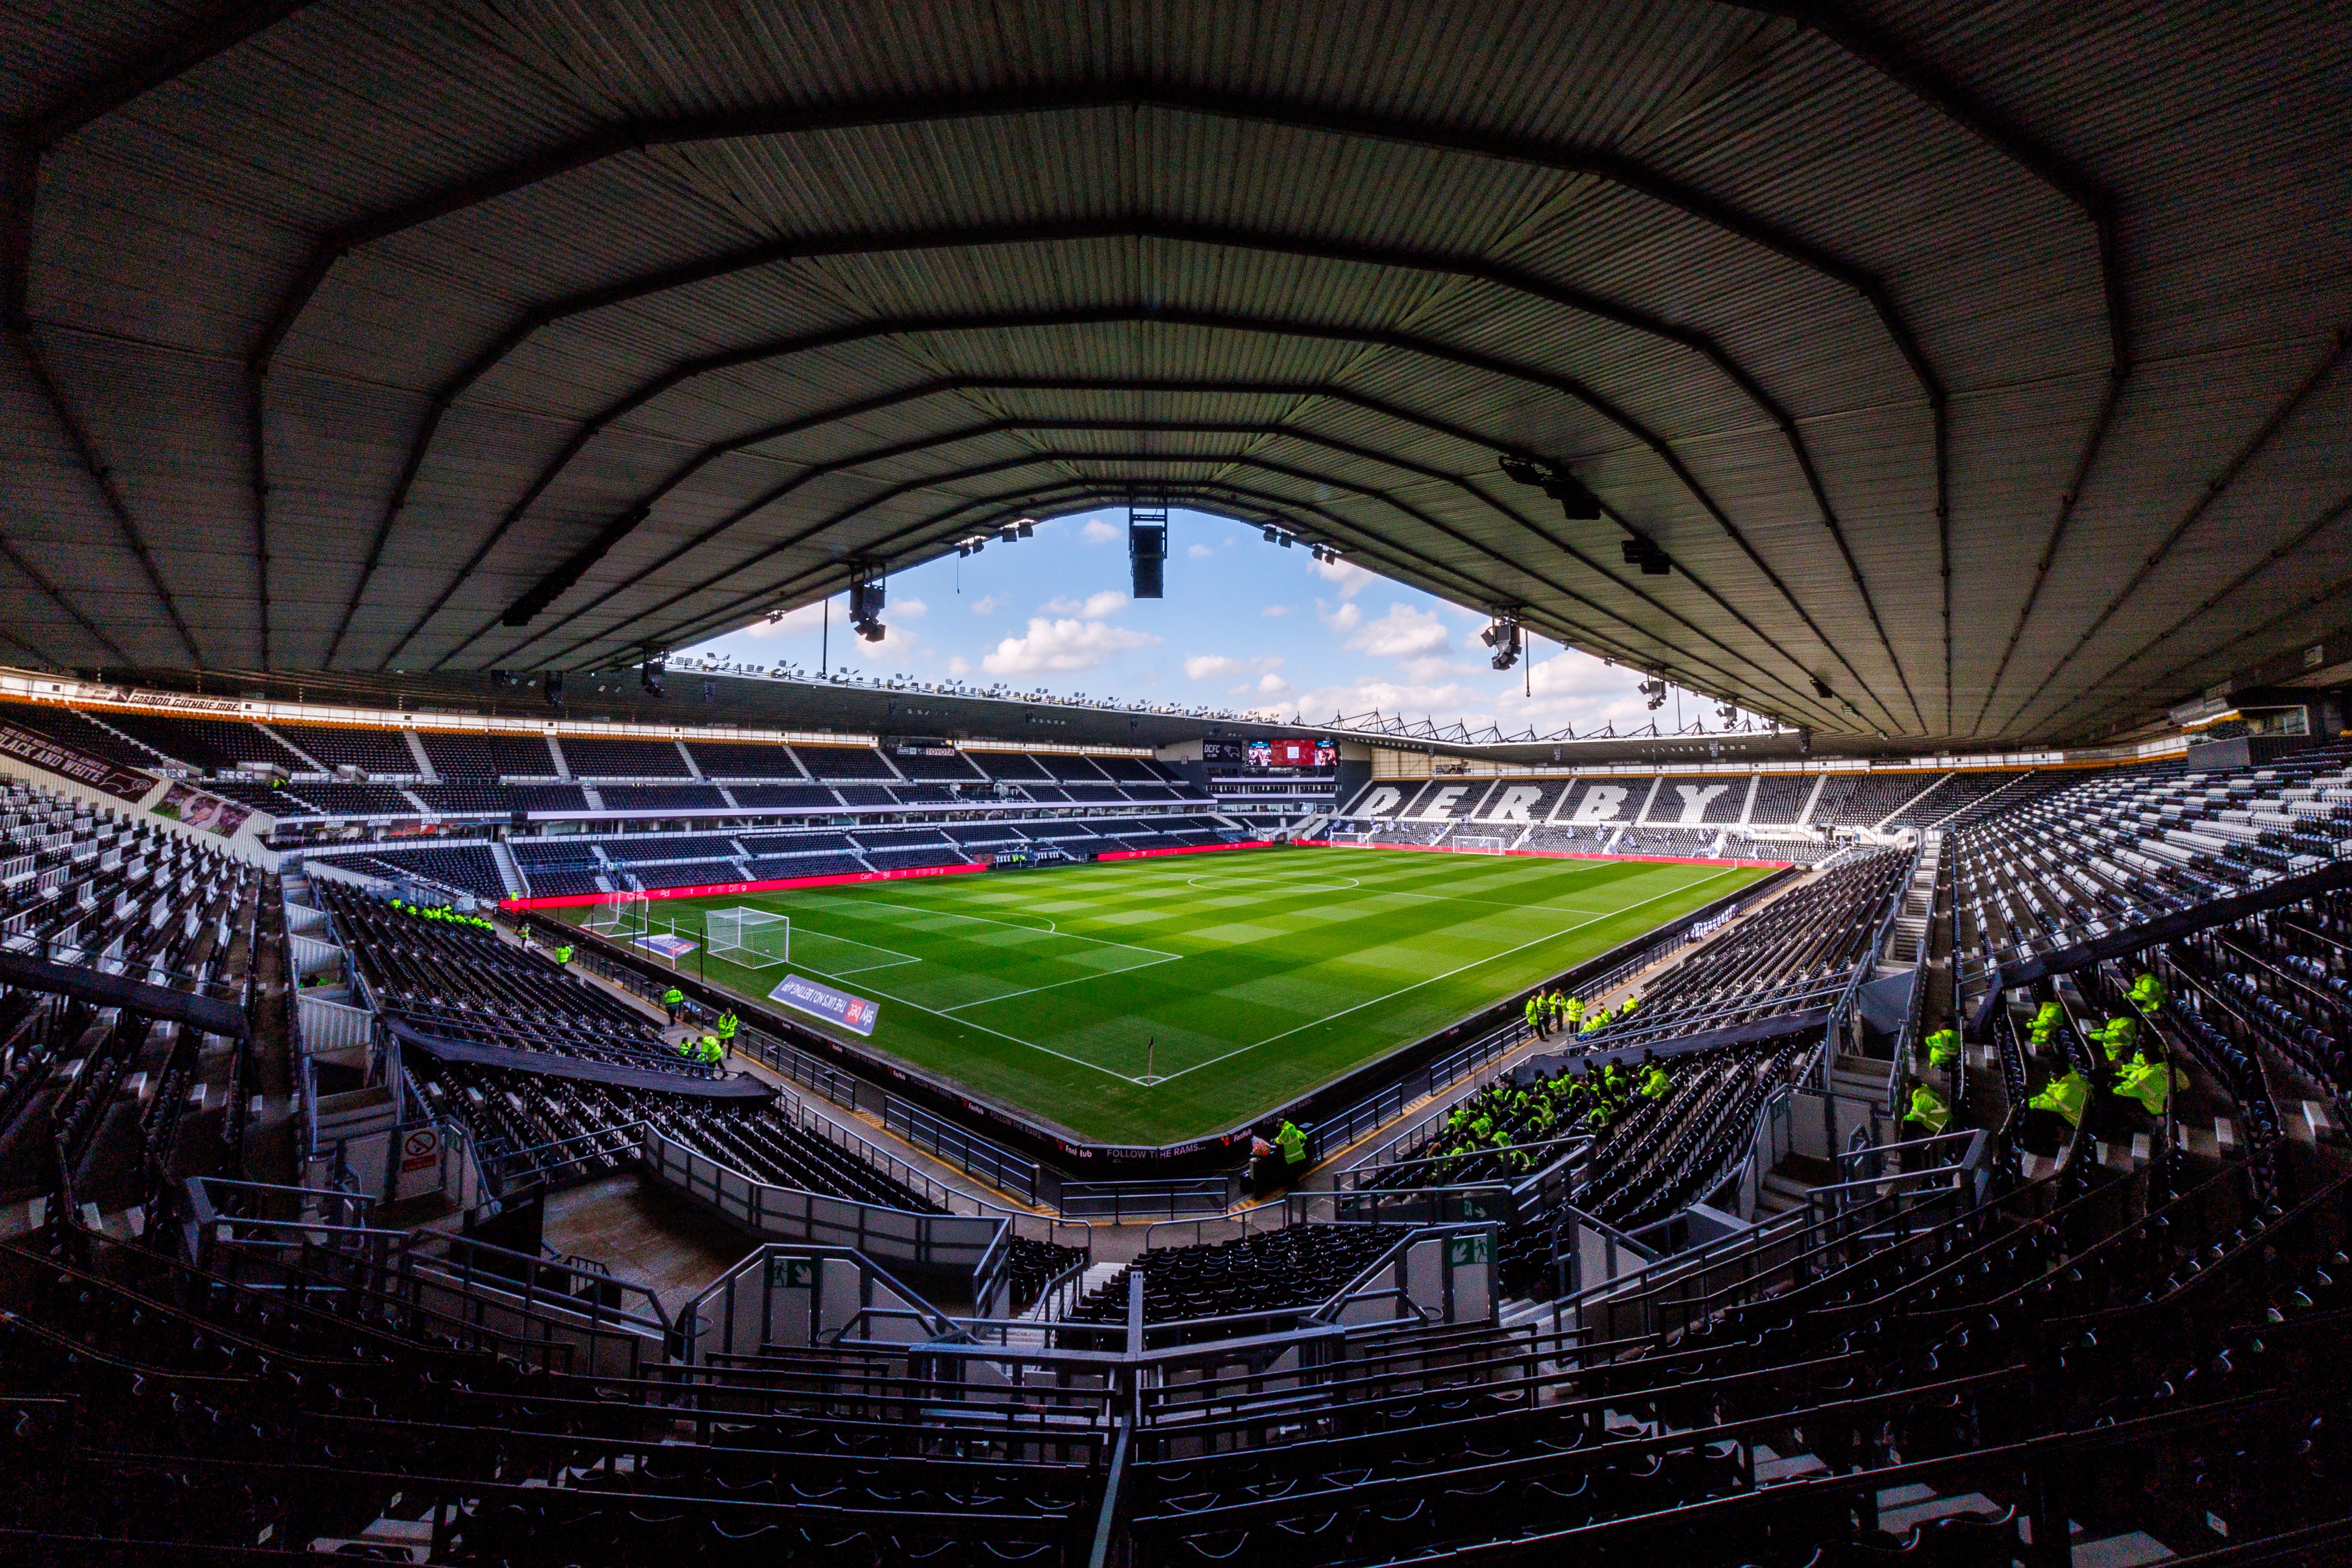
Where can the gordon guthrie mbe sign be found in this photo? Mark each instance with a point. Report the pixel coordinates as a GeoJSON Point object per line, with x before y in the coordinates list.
{"type": "Point", "coordinates": [824, 1002]}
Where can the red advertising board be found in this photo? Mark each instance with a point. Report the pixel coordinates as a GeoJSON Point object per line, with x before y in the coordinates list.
{"type": "Point", "coordinates": [715, 889]}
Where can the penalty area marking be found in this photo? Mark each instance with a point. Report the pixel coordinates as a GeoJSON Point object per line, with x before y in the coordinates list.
{"type": "Point", "coordinates": [1015, 925]}
{"type": "Point", "coordinates": [896, 959]}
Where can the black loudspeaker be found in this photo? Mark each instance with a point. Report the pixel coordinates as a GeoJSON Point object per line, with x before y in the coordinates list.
{"type": "Point", "coordinates": [519, 819]}
{"type": "Point", "coordinates": [1147, 558]}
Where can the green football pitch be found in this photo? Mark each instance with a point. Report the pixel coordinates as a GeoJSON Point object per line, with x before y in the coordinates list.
{"type": "Point", "coordinates": [1158, 1000]}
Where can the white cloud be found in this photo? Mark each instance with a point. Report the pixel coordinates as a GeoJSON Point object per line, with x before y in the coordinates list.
{"type": "Point", "coordinates": [1200, 552]}
{"type": "Point", "coordinates": [1350, 578]}
{"type": "Point", "coordinates": [1276, 610]}
{"type": "Point", "coordinates": [1428, 670]}
{"type": "Point", "coordinates": [1109, 602]}
{"type": "Point", "coordinates": [1367, 693]}
{"type": "Point", "coordinates": [1347, 619]}
{"type": "Point", "coordinates": [986, 606]}
{"type": "Point", "coordinates": [1098, 531]}
{"type": "Point", "coordinates": [1402, 631]}
{"type": "Point", "coordinates": [1573, 689]}
{"type": "Point", "coordinates": [1272, 685]}
{"type": "Point", "coordinates": [907, 610]}
{"type": "Point", "coordinates": [958, 667]}
{"type": "Point", "coordinates": [1062, 645]}
{"type": "Point", "coordinates": [1209, 666]}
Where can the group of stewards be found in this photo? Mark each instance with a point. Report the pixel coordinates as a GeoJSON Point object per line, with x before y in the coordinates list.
{"type": "Point", "coordinates": [2136, 1069]}
{"type": "Point", "coordinates": [709, 1049]}
{"type": "Point", "coordinates": [1504, 1119]}
{"type": "Point", "coordinates": [441, 914]}
{"type": "Point", "coordinates": [1553, 1012]}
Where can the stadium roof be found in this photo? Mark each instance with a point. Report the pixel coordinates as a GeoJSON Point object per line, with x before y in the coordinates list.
{"type": "Point", "coordinates": [1979, 370]}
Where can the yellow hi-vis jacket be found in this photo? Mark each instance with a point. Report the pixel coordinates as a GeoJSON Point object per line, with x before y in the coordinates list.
{"type": "Point", "coordinates": [1929, 1110]}
{"type": "Point", "coordinates": [2066, 1096]}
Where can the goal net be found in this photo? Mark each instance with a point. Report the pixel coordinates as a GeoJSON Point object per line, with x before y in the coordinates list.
{"type": "Point", "coordinates": [1478, 845]}
{"type": "Point", "coordinates": [750, 938]}
{"type": "Point", "coordinates": [619, 914]}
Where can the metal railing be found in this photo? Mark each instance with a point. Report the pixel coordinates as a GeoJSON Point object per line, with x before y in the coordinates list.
{"type": "Point", "coordinates": [1336, 1133]}
{"type": "Point", "coordinates": [1842, 1013]}
{"type": "Point", "coordinates": [551, 1313]}
{"type": "Point", "coordinates": [1119, 1202]}
{"type": "Point", "coordinates": [618, 1142]}
{"type": "Point", "coordinates": [945, 1241]}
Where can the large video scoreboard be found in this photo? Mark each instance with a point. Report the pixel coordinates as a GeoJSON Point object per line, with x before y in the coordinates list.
{"type": "Point", "coordinates": [1281, 751]}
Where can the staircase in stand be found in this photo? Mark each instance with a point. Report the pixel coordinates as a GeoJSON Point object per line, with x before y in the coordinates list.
{"type": "Point", "coordinates": [1918, 904]}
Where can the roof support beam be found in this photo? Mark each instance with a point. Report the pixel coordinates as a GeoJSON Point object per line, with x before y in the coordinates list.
{"type": "Point", "coordinates": [101, 478]}
{"type": "Point", "coordinates": [21, 150]}
{"type": "Point", "coordinates": [1892, 57]}
{"type": "Point", "coordinates": [1515, 280]}
{"type": "Point", "coordinates": [2336, 513]}
{"type": "Point", "coordinates": [2252, 449]}
{"type": "Point", "coordinates": [625, 139]}
{"type": "Point", "coordinates": [1001, 426]}
{"type": "Point", "coordinates": [638, 511]}
{"type": "Point", "coordinates": [1082, 494]}
{"type": "Point", "coordinates": [33, 575]}
{"type": "Point", "coordinates": [1479, 589]}
{"type": "Point", "coordinates": [688, 370]}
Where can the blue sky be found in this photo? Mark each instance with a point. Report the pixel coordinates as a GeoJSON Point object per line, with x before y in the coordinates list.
{"type": "Point", "coordinates": [1245, 626]}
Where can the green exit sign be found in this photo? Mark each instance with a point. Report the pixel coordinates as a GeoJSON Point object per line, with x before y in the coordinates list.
{"type": "Point", "coordinates": [791, 1274]}
{"type": "Point", "coordinates": [1463, 1250]}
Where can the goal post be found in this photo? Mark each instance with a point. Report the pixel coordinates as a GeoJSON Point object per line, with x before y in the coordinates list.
{"type": "Point", "coordinates": [747, 937]}
{"type": "Point", "coordinates": [1479, 844]}
{"type": "Point", "coordinates": [619, 914]}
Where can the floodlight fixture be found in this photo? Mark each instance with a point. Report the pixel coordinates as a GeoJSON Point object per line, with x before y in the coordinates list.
{"type": "Point", "coordinates": [1146, 548]}
{"type": "Point", "coordinates": [1503, 636]}
{"type": "Point", "coordinates": [867, 594]}
{"type": "Point", "coordinates": [1646, 554]}
{"type": "Point", "coordinates": [1577, 502]}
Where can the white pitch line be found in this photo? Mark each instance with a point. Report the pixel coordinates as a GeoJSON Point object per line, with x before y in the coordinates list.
{"type": "Point", "coordinates": [1447, 976]}
{"type": "Point", "coordinates": [1031, 1045]}
{"type": "Point", "coordinates": [1075, 979]}
{"type": "Point", "coordinates": [1012, 925]}
{"type": "Point", "coordinates": [902, 958]}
